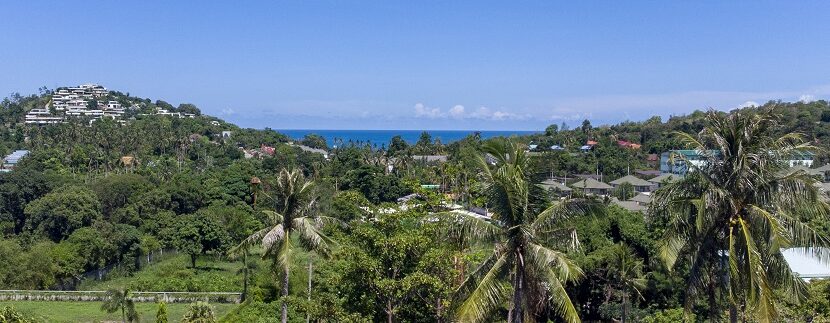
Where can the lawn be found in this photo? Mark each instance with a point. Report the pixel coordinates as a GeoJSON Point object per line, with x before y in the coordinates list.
{"type": "Point", "coordinates": [55, 311]}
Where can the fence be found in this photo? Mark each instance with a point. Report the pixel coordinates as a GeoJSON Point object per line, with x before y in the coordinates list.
{"type": "Point", "coordinates": [119, 268]}
{"type": "Point", "coordinates": [99, 296]}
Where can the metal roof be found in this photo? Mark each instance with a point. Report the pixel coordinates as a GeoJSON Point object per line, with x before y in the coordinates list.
{"type": "Point", "coordinates": [554, 184]}
{"type": "Point", "coordinates": [641, 198]}
{"type": "Point", "coordinates": [631, 179]}
{"type": "Point", "coordinates": [666, 178]}
{"type": "Point", "coordinates": [591, 183]}
{"type": "Point", "coordinates": [15, 156]}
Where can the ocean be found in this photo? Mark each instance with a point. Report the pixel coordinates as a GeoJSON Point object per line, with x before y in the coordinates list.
{"type": "Point", "coordinates": [384, 136]}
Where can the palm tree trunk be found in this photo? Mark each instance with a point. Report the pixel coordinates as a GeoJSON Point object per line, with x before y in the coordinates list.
{"type": "Point", "coordinates": [517, 313]}
{"type": "Point", "coordinates": [123, 316]}
{"type": "Point", "coordinates": [310, 272]}
{"type": "Point", "coordinates": [285, 296]}
{"type": "Point", "coordinates": [624, 307]}
{"type": "Point", "coordinates": [245, 276]}
{"type": "Point", "coordinates": [733, 312]}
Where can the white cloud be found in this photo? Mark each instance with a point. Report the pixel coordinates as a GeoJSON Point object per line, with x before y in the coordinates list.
{"type": "Point", "coordinates": [228, 111]}
{"type": "Point", "coordinates": [748, 104]}
{"type": "Point", "coordinates": [807, 98]}
{"type": "Point", "coordinates": [457, 111]}
{"type": "Point", "coordinates": [422, 111]}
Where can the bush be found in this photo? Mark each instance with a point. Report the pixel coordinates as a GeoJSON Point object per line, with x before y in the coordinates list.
{"type": "Point", "coordinates": [669, 316]}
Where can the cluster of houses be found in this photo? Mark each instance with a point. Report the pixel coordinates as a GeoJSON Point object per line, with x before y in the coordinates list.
{"type": "Point", "coordinates": [67, 102]}
{"type": "Point", "coordinates": [673, 165]}
{"type": "Point", "coordinates": [587, 147]}
{"type": "Point", "coordinates": [75, 102]}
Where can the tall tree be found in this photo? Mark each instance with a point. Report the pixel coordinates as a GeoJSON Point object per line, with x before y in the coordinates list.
{"type": "Point", "coordinates": [729, 219]}
{"type": "Point", "coordinates": [293, 216]}
{"type": "Point", "coordinates": [528, 267]}
{"type": "Point", "coordinates": [626, 276]}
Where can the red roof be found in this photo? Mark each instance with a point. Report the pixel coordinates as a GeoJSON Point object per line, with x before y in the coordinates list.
{"type": "Point", "coordinates": [591, 143]}
{"type": "Point", "coordinates": [267, 150]}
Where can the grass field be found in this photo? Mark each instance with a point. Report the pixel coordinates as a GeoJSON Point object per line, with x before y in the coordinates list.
{"type": "Point", "coordinates": [175, 275]}
{"type": "Point", "coordinates": [91, 311]}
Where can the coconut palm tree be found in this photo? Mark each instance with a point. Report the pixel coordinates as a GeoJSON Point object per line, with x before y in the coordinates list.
{"type": "Point", "coordinates": [626, 276]}
{"type": "Point", "coordinates": [293, 216]}
{"type": "Point", "coordinates": [120, 300]}
{"type": "Point", "coordinates": [729, 219]}
{"type": "Point", "coordinates": [528, 268]}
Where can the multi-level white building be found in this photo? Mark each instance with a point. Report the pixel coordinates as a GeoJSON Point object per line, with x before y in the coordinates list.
{"type": "Point", "coordinates": [42, 116]}
{"type": "Point", "coordinates": [75, 102]}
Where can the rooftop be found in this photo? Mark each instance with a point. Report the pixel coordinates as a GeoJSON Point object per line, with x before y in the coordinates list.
{"type": "Point", "coordinates": [633, 180]}
{"type": "Point", "coordinates": [666, 178]}
{"type": "Point", "coordinates": [554, 184]}
{"type": "Point", "coordinates": [591, 183]}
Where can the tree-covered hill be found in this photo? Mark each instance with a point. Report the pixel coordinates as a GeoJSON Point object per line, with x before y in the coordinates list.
{"type": "Point", "coordinates": [100, 200]}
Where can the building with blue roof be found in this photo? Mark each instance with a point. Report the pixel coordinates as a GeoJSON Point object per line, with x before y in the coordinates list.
{"type": "Point", "coordinates": [10, 161]}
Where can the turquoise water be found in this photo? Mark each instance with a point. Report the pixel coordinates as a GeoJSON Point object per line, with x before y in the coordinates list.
{"type": "Point", "coordinates": [384, 136]}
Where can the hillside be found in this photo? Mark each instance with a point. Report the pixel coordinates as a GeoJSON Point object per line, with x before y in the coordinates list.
{"type": "Point", "coordinates": [361, 233]}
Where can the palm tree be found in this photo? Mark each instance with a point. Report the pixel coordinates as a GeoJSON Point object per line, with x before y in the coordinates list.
{"type": "Point", "coordinates": [293, 216]}
{"type": "Point", "coordinates": [120, 299]}
{"type": "Point", "coordinates": [729, 219]}
{"type": "Point", "coordinates": [527, 267]}
{"type": "Point", "coordinates": [626, 275]}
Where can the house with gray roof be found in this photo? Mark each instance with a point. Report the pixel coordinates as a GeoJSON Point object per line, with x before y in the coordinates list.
{"type": "Point", "coordinates": [665, 178]}
{"type": "Point", "coordinates": [592, 187]}
{"type": "Point", "coordinates": [629, 205]}
{"type": "Point", "coordinates": [642, 199]}
{"type": "Point", "coordinates": [556, 186]}
{"type": "Point", "coordinates": [640, 185]}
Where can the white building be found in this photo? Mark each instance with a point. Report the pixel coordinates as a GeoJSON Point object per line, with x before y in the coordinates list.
{"type": "Point", "coordinates": [42, 116]}
{"type": "Point", "coordinates": [75, 102]}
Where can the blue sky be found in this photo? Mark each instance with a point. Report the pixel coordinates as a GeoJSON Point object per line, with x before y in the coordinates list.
{"type": "Point", "coordinates": [422, 64]}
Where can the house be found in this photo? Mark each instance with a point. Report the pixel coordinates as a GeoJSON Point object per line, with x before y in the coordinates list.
{"type": "Point", "coordinates": [629, 205]}
{"type": "Point", "coordinates": [314, 150]}
{"type": "Point", "coordinates": [665, 178]}
{"type": "Point", "coordinates": [627, 144]}
{"type": "Point", "coordinates": [648, 173]}
{"type": "Point", "coordinates": [641, 198]}
{"type": "Point", "coordinates": [267, 150]}
{"type": "Point", "coordinates": [591, 143]}
{"type": "Point", "coordinates": [592, 187]}
{"type": "Point", "coordinates": [807, 263]}
{"type": "Point", "coordinates": [226, 134]}
{"type": "Point", "coordinates": [586, 148]}
{"type": "Point", "coordinates": [556, 147]}
{"type": "Point", "coordinates": [10, 161]}
{"type": "Point", "coordinates": [653, 159]}
{"type": "Point", "coordinates": [430, 158]}
{"type": "Point", "coordinates": [556, 186]}
{"type": "Point", "coordinates": [801, 158]}
{"type": "Point", "coordinates": [640, 185]}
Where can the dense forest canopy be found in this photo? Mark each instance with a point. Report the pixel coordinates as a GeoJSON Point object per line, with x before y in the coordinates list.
{"type": "Point", "coordinates": [75, 205]}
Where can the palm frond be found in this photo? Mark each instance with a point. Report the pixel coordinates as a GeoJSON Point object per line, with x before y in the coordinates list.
{"type": "Point", "coordinates": [489, 293]}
